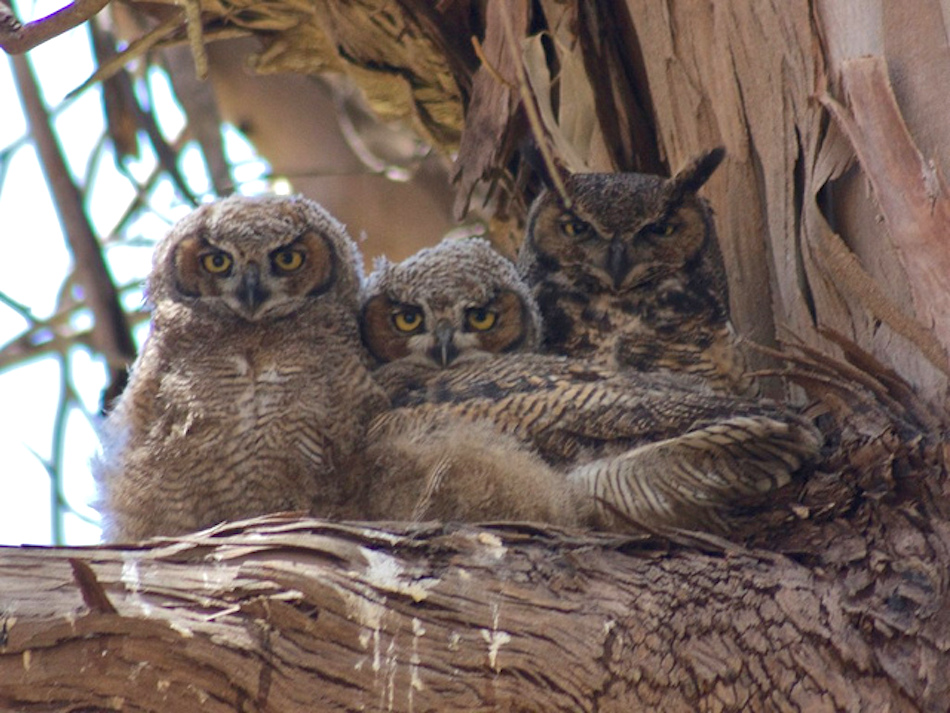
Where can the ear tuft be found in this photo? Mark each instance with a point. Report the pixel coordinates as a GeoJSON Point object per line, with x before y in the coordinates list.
{"type": "Point", "coordinates": [691, 177]}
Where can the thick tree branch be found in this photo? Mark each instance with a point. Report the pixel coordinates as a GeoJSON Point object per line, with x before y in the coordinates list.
{"type": "Point", "coordinates": [284, 615]}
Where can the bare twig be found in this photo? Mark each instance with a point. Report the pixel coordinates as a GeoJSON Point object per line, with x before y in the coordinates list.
{"type": "Point", "coordinates": [111, 328]}
{"type": "Point", "coordinates": [46, 337]}
{"type": "Point", "coordinates": [16, 38]}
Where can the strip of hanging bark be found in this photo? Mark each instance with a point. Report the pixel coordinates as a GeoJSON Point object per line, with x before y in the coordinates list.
{"type": "Point", "coordinates": [615, 69]}
{"type": "Point", "coordinates": [554, 163]}
{"type": "Point", "coordinates": [910, 190]}
{"type": "Point", "coordinates": [121, 125]}
{"type": "Point", "coordinates": [847, 270]}
{"type": "Point", "coordinates": [298, 615]}
{"type": "Point", "coordinates": [492, 102]}
{"type": "Point", "coordinates": [194, 29]}
{"type": "Point", "coordinates": [16, 38]}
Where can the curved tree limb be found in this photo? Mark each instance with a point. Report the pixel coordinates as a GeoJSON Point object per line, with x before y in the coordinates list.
{"type": "Point", "coordinates": [16, 38]}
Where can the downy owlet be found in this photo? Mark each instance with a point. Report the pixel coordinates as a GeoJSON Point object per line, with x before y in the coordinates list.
{"type": "Point", "coordinates": [251, 394]}
{"type": "Point", "coordinates": [642, 450]}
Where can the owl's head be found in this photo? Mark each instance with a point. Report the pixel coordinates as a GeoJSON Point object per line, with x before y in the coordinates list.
{"type": "Point", "coordinates": [622, 230]}
{"type": "Point", "coordinates": [255, 259]}
{"type": "Point", "coordinates": [456, 300]}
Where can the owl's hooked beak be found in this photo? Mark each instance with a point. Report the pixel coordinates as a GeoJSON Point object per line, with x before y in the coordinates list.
{"type": "Point", "coordinates": [618, 263]}
{"type": "Point", "coordinates": [444, 350]}
{"type": "Point", "coordinates": [250, 293]}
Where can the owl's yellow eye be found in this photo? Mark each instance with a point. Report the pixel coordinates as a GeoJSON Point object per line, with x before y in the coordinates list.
{"type": "Point", "coordinates": [217, 263]}
{"type": "Point", "coordinates": [574, 227]}
{"type": "Point", "coordinates": [408, 319]}
{"type": "Point", "coordinates": [481, 319]}
{"type": "Point", "coordinates": [664, 230]}
{"type": "Point", "coordinates": [288, 259]}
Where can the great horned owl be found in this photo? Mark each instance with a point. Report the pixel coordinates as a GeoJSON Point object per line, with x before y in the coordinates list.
{"type": "Point", "coordinates": [630, 273]}
{"type": "Point", "coordinates": [250, 394]}
{"type": "Point", "coordinates": [649, 448]}
{"type": "Point", "coordinates": [457, 299]}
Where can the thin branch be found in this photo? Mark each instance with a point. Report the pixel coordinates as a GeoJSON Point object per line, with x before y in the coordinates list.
{"type": "Point", "coordinates": [57, 449]}
{"type": "Point", "coordinates": [16, 38]}
{"type": "Point", "coordinates": [30, 345]}
{"type": "Point", "coordinates": [19, 308]}
{"type": "Point", "coordinates": [111, 329]}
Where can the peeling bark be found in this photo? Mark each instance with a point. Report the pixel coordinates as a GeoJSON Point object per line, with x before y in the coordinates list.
{"type": "Point", "coordinates": [283, 615]}
{"type": "Point", "coordinates": [800, 232]}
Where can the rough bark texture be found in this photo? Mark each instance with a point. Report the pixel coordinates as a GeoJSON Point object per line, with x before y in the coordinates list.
{"type": "Point", "coordinates": [833, 212]}
{"type": "Point", "coordinates": [284, 615]}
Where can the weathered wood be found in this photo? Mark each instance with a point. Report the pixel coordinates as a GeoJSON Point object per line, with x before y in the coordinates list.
{"type": "Point", "coordinates": [284, 615]}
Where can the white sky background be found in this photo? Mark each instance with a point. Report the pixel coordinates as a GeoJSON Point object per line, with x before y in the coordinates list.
{"type": "Point", "coordinates": [35, 260]}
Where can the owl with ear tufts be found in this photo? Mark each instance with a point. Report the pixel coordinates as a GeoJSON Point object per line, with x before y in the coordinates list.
{"type": "Point", "coordinates": [455, 301]}
{"type": "Point", "coordinates": [250, 394]}
{"type": "Point", "coordinates": [628, 272]}
{"type": "Point", "coordinates": [631, 449]}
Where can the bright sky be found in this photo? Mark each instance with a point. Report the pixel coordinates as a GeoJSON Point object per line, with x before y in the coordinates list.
{"type": "Point", "coordinates": [34, 262]}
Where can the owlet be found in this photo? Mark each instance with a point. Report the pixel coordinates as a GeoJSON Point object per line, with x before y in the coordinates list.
{"type": "Point", "coordinates": [251, 393]}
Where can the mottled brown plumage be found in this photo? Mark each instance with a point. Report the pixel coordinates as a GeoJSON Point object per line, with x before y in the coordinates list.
{"type": "Point", "coordinates": [651, 451]}
{"type": "Point", "coordinates": [251, 393]}
{"type": "Point", "coordinates": [631, 275]}
{"type": "Point", "coordinates": [450, 304]}
{"type": "Point", "coordinates": [457, 300]}
{"type": "Point", "coordinates": [627, 445]}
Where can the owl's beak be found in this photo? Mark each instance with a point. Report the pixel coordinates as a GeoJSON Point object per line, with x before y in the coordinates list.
{"type": "Point", "coordinates": [618, 264]}
{"type": "Point", "coordinates": [444, 350]}
{"type": "Point", "coordinates": [250, 293]}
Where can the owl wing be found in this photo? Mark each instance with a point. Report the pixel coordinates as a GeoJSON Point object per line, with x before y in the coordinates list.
{"type": "Point", "coordinates": [652, 451]}
{"type": "Point", "coordinates": [692, 480]}
{"type": "Point", "coordinates": [569, 409]}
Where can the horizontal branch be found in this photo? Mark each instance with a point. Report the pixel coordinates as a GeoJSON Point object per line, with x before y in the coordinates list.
{"type": "Point", "coordinates": [279, 614]}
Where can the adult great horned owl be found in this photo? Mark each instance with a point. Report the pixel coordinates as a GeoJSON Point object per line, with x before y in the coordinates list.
{"type": "Point", "coordinates": [630, 273]}
{"type": "Point", "coordinates": [648, 448]}
{"type": "Point", "coordinates": [448, 302]}
{"type": "Point", "coordinates": [250, 394]}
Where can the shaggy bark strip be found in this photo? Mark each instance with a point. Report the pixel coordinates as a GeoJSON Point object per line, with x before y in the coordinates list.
{"type": "Point", "coordinates": [283, 615]}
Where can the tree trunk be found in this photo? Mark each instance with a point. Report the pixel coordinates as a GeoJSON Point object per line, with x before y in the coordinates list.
{"type": "Point", "coordinates": [285, 615]}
